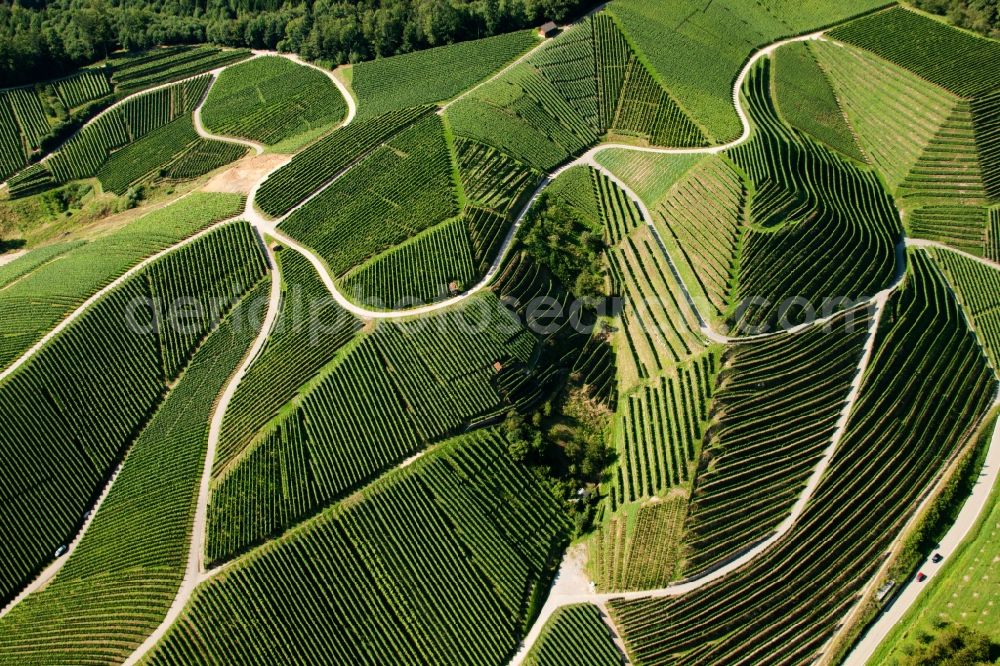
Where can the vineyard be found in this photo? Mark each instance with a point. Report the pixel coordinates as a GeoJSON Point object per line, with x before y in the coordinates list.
{"type": "Point", "coordinates": [567, 95]}
{"type": "Point", "coordinates": [644, 555]}
{"type": "Point", "coordinates": [45, 293]}
{"type": "Point", "coordinates": [661, 431]}
{"type": "Point", "coordinates": [89, 405]}
{"type": "Point", "coordinates": [87, 151]}
{"type": "Point", "coordinates": [122, 578]}
{"type": "Point", "coordinates": [963, 227]}
{"type": "Point", "coordinates": [955, 60]}
{"type": "Point", "coordinates": [402, 188]}
{"type": "Point", "coordinates": [986, 128]}
{"type": "Point", "coordinates": [492, 179]}
{"type": "Point", "coordinates": [978, 288]}
{"type": "Point", "coordinates": [82, 87]}
{"type": "Point", "coordinates": [269, 99]}
{"type": "Point", "coordinates": [659, 327]}
{"type": "Point", "coordinates": [695, 49]}
{"type": "Point", "coordinates": [322, 161]}
{"type": "Point", "coordinates": [669, 337]}
{"type": "Point", "coordinates": [432, 75]}
{"type": "Point", "coordinates": [309, 331]}
{"type": "Point", "coordinates": [25, 113]}
{"type": "Point", "coordinates": [894, 112]}
{"type": "Point", "coordinates": [649, 175]}
{"type": "Point", "coordinates": [348, 425]}
{"type": "Point", "coordinates": [135, 72]}
{"type": "Point", "coordinates": [174, 150]}
{"type": "Point", "coordinates": [773, 415]}
{"type": "Point", "coordinates": [993, 235]}
{"type": "Point", "coordinates": [476, 536]}
{"type": "Point", "coordinates": [807, 102]}
{"type": "Point", "coordinates": [575, 635]}
{"type": "Point", "coordinates": [701, 220]}
{"type": "Point", "coordinates": [785, 601]}
{"type": "Point", "coordinates": [429, 267]}
{"type": "Point", "coordinates": [34, 260]}
{"type": "Point", "coordinates": [802, 190]}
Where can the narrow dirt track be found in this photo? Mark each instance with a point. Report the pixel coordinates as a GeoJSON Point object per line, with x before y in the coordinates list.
{"type": "Point", "coordinates": [196, 571]}
{"type": "Point", "coordinates": [196, 549]}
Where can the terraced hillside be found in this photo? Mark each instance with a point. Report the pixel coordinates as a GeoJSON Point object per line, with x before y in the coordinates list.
{"type": "Point", "coordinates": [663, 339]}
{"type": "Point", "coordinates": [783, 603]}
{"type": "Point", "coordinates": [74, 396]}
{"type": "Point", "coordinates": [479, 534]}
{"type": "Point", "coordinates": [567, 95]}
{"type": "Point", "coordinates": [801, 190]}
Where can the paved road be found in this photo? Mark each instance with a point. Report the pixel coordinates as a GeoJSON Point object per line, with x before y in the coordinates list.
{"type": "Point", "coordinates": [195, 569]}
{"type": "Point", "coordinates": [907, 596]}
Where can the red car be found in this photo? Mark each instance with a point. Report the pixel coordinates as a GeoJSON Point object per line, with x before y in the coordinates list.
{"type": "Point", "coordinates": [921, 577]}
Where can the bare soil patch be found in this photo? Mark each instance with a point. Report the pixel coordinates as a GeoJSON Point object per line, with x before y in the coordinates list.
{"type": "Point", "coordinates": [246, 173]}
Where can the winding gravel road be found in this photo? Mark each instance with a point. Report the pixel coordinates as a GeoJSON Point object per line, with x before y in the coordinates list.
{"type": "Point", "coordinates": [560, 594]}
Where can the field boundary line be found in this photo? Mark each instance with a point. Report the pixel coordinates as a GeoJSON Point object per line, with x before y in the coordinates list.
{"type": "Point", "coordinates": [556, 600]}
{"type": "Point", "coordinates": [196, 551]}
{"type": "Point", "coordinates": [117, 282]}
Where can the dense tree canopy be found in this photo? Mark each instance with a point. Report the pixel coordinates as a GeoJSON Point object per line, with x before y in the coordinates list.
{"type": "Point", "coordinates": [40, 39]}
{"type": "Point", "coordinates": [981, 16]}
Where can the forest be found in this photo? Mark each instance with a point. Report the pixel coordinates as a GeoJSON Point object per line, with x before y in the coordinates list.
{"type": "Point", "coordinates": [40, 39]}
{"type": "Point", "coordinates": [981, 16]}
